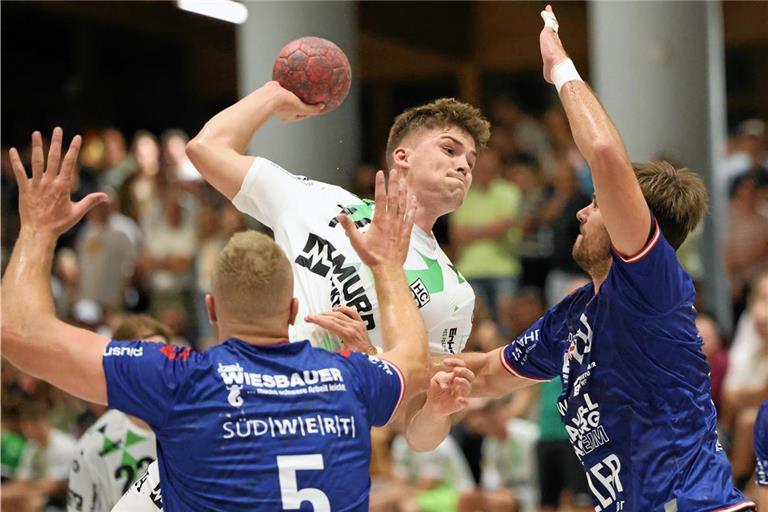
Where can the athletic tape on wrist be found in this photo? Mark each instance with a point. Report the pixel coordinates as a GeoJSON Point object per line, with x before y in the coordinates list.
{"type": "Point", "coordinates": [563, 72]}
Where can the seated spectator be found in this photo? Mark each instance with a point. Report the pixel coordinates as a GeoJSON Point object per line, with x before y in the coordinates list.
{"type": "Point", "coordinates": [430, 481]}
{"type": "Point", "coordinates": [746, 383]}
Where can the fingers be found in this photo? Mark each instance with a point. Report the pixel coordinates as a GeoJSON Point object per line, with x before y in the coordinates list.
{"type": "Point", "coordinates": [85, 205]}
{"type": "Point", "coordinates": [411, 206]}
{"type": "Point", "coordinates": [18, 168]}
{"type": "Point", "coordinates": [350, 229]}
{"type": "Point", "coordinates": [380, 194]}
{"type": "Point", "coordinates": [548, 15]}
{"type": "Point", "coordinates": [393, 189]}
{"type": "Point", "coordinates": [37, 156]}
{"type": "Point", "coordinates": [54, 153]}
{"type": "Point", "coordinates": [464, 374]}
{"type": "Point", "coordinates": [350, 312]}
{"type": "Point", "coordinates": [67, 167]}
{"type": "Point", "coordinates": [454, 362]}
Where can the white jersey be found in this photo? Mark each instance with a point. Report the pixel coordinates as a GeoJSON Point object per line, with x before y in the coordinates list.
{"type": "Point", "coordinates": [327, 271]}
{"type": "Point", "coordinates": [109, 457]}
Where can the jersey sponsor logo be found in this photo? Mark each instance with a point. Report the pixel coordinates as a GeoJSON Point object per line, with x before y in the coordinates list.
{"type": "Point", "coordinates": [381, 365]}
{"type": "Point", "coordinates": [123, 351]}
{"type": "Point", "coordinates": [448, 340]}
{"type": "Point", "coordinates": [581, 342]}
{"type": "Point", "coordinates": [322, 380]}
{"type": "Point", "coordinates": [360, 213]}
{"type": "Point", "coordinates": [320, 257]}
{"type": "Point", "coordinates": [331, 425]}
{"type": "Point", "coordinates": [420, 293]}
{"type": "Point", "coordinates": [605, 483]}
{"type": "Point", "coordinates": [173, 352]}
{"type": "Point", "coordinates": [74, 500]}
{"type": "Point", "coordinates": [584, 428]}
{"type": "Point", "coordinates": [234, 398]}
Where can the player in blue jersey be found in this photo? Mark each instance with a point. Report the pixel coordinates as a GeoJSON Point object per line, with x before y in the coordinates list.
{"type": "Point", "coordinates": [255, 423]}
{"type": "Point", "coordinates": [636, 395]}
{"type": "Point", "coordinates": [761, 454]}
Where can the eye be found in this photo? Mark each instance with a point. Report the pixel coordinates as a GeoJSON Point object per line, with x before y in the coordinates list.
{"type": "Point", "coordinates": [449, 150]}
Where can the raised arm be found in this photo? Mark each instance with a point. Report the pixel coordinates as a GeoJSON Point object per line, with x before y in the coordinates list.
{"type": "Point", "coordinates": [622, 204]}
{"type": "Point", "coordinates": [384, 247]}
{"type": "Point", "coordinates": [218, 151]}
{"type": "Point", "coordinates": [33, 339]}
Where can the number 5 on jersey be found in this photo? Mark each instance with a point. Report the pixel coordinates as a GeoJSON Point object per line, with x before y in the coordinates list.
{"type": "Point", "coordinates": [292, 496]}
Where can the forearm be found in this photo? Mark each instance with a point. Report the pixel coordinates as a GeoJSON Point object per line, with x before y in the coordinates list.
{"type": "Point", "coordinates": [27, 298]}
{"type": "Point", "coordinates": [593, 131]}
{"type": "Point", "coordinates": [234, 127]}
{"type": "Point", "coordinates": [425, 429]}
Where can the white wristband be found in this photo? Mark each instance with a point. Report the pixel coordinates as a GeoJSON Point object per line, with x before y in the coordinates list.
{"type": "Point", "coordinates": [564, 72]}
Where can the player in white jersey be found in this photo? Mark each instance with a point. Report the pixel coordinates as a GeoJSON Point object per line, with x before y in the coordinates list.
{"type": "Point", "coordinates": [434, 145]}
{"type": "Point", "coordinates": [118, 448]}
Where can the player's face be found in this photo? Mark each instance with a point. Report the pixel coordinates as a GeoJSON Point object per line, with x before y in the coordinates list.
{"type": "Point", "coordinates": [593, 245]}
{"type": "Point", "coordinates": [440, 163]}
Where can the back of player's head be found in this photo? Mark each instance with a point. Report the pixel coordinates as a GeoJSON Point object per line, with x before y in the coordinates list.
{"type": "Point", "coordinates": [677, 198]}
{"type": "Point", "coordinates": [142, 327]}
{"type": "Point", "coordinates": [252, 279]}
{"type": "Point", "coordinates": [441, 113]}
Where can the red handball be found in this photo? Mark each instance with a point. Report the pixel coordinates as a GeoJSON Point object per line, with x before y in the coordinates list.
{"type": "Point", "coordinates": [315, 70]}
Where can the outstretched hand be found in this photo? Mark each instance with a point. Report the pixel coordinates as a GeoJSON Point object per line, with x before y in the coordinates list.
{"type": "Point", "coordinates": [345, 323]}
{"type": "Point", "coordinates": [44, 199]}
{"type": "Point", "coordinates": [552, 51]}
{"type": "Point", "coordinates": [389, 234]}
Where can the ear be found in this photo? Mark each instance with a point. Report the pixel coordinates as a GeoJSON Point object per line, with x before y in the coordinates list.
{"type": "Point", "coordinates": [210, 306]}
{"type": "Point", "coordinates": [294, 311]}
{"type": "Point", "coordinates": [401, 158]}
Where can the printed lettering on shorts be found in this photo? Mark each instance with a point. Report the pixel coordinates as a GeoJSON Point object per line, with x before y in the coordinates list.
{"type": "Point", "coordinates": [237, 381]}
{"type": "Point", "coordinates": [320, 257]}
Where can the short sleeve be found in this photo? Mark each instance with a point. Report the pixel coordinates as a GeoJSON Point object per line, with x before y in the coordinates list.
{"type": "Point", "coordinates": [269, 191]}
{"type": "Point", "coordinates": [143, 378]}
{"type": "Point", "coordinates": [761, 445]}
{"type": "Point", "coordinates": [652, 282]}
{"type": "Point", "coordinates": [536, 354]}
{"type": "Point", "coordinates": [381, 383]}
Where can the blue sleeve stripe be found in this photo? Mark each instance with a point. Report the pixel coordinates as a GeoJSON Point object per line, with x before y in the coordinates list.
{"type": "Point", "coordinates": [644, 251]}
{"type": "Point", "coordinates": [402, 391]}
{"type": "Point", "coordinates": [514, 372]}
{"type": "Point", "coordinates": [739, 506]}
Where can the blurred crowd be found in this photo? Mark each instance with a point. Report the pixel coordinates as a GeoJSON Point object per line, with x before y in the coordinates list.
{"type": "Point", "coordinates": [151, 250]}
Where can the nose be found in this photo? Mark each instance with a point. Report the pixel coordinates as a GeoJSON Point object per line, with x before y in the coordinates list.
{"type": "Point", "coordinates": [582, 214]}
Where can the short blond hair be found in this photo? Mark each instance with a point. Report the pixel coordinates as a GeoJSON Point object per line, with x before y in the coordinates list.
{"type": "Point", "coordinates": [677, 198]}
{"type": "Point", "coordinates": [252, 280]}
{"type": "Point", "coordinates": [441, 113]}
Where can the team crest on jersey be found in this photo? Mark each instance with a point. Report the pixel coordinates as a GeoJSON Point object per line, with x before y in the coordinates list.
{"type": "Point", "coordinates": [420, 293]}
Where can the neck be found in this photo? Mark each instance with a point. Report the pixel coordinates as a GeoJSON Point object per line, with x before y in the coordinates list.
{"type": "Point", "coordinates": [254, 334]}
{"type": "Point", "coordinates": [599, 273]}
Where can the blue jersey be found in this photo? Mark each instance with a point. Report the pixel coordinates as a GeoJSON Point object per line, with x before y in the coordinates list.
{"type": "Point", "coordinates": [246, 427]}
{"type": "Point", "coordinates": [761, 445]}
{"type": "Point", "coordinates": [636, 394]}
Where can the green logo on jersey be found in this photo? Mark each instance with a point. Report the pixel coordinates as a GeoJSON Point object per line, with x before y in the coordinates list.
{"type": "Point", "coordinates": [432, 276]}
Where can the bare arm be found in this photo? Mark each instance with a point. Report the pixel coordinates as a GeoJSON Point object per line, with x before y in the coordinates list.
{"type": "Point", "coordinates": [218, 151]}
{"type": "Point", "coordinates": [492, 379]}
{"type": "Point", "coordinates": [624, 209]}
{"type": "Point", "coordinates": [34, 340]}
{"type": "Point", "coordinates": [384, 248]}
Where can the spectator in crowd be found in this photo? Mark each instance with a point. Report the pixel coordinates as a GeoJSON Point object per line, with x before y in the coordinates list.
{"type": "Point", "coordinates": [746, 383]}
{"type": "Point", "coordinates": [430, 481]}
{"type": "Point", "coordinates": [559, 212]}
{"type": "Point", "coordinates": [559, 130]}
{"type": "Point", "coordinates": [363, 181]}
{"type": "Point", "coordinates": [715, 352]}
{"type": "Point", "coordinates": [483, 235]}
{"type": "Point", "coordinates": [535, 246]}
{"type": "Point", "coordinates": [146, 185]}
{"type": "Point", "coordinates": [527, 133]}
{"type": "Point", "coordinates": [117, 164]}
{"type": "Point", "coordinates": [748, 153]}
{"type": "Point", "coordinates": [175, 163]}
{"type": "Point", "coordinates": [109, 257]}
{"type": "Point", "coordinates": [746, 247]}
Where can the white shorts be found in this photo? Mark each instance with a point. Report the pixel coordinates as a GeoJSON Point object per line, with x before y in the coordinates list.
{"type": "Point", "coordinates": [144, 495]}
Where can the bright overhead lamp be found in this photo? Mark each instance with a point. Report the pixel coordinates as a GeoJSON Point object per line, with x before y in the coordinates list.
{"type": "Point", "coordinates": [225, 10]}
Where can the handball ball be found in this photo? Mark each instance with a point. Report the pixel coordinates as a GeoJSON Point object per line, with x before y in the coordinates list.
{"type": "Point", "coordinates": [315, 70]}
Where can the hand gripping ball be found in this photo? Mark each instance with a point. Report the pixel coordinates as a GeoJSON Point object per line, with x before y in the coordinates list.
{"type": "Point", "coordinates": [315, 70]}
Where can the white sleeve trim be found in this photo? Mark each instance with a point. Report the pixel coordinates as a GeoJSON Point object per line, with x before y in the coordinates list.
{"type": "Point", "coordinates": [402, 391]}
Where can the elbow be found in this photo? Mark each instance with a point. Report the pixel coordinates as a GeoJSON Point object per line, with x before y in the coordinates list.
{"type": "Point", "coordinates": [194, 150]}
{"type": "Point", "coordinates": [605, 153]}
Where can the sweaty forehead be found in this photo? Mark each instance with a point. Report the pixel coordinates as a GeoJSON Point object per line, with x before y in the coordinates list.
{"type": "Point", "coordinates": [435, 134]}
